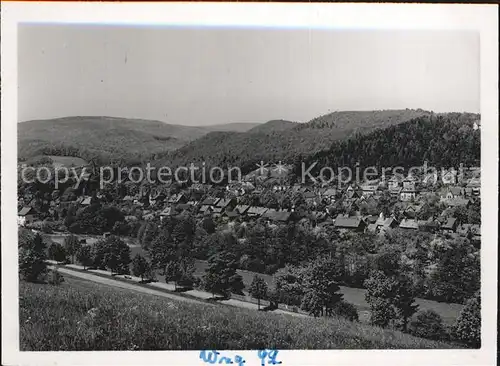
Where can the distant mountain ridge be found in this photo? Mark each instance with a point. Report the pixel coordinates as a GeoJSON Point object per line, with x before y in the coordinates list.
{"type": "Point", "coordinates": [132, 141]}
{"type": "Point", "coordinates": [285, 140]}
{"type": "Point", "coordinates": [274, 126]}
{"type": "Point", "coordinates": [109, 137]}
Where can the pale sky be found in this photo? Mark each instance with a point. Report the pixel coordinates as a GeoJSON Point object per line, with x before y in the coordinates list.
{"type": "Point", "coordinates": [203, 76]}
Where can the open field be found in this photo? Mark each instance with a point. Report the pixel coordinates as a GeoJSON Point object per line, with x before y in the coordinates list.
{"type": "Point", "coordinates": [80, 315]}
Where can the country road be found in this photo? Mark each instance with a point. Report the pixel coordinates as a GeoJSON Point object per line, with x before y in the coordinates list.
{"type": "Point", "coordinates": [201, 295]}
{"type": "Point", "coordinates": [126, 285]}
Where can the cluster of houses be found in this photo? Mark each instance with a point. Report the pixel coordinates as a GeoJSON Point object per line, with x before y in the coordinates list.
{"type": "Point", "coordinates": [380, 224]}
{"type": "Point", "coordinates": [227, 203]}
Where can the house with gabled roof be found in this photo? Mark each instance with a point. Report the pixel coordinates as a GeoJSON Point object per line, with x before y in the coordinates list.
{"type": "Point", "coordinates": [409, 183]}
{"type": "Point", "coordinates": [217, 211]}
{"type": "Point", "coordinates": [255, 211]}
{"type": "Point", "coordinates": [475, 185]}
{"type": "Point", "coordinates": [353, 223]}
{"type": "Point", "coordinates": [372, 228]}
{"type": "Point", "coordinates": [394, 182]}
{"type": "Point", "coordinates": [318, 216]}
{"type": "Point", "coordinates": [26, 216]}
{"type": "Point", "coordinates": [210, 201]}
{"type": "Point", "coordinates": [156, 197]}
{"type": "Point", "coordinates": [395, 191]}
{"type": "Point", "coordinates": [370, 219]}
{"type": "Point", "coordinates": [452, 192]}
{"type": "Point", "coordinates": [407, 194]}
{"type": "Point", "coordinates": [368, 190]}
{"type": "Point", "coordinates": [87, 201]}
{"type": "Point", "coordinates": [242, 209]}
{"type": "Point", "coordinates": [409, 224]}
{"type": "Point", "coordinates": [310, 197]}
{"type": "Point", "coordinates": [177, 198]}
{"type": "Point", "coordinates": [351, 193]}
{"type": "Point", "coordinates": [457, 202]}
{"type": "Point", "coordinates": [206, 209]}
{"type": "Point", "coordinates": [231, 214]}
{"type": "Point", "coordinates": [277, 216]}
{"type": "Point", "coordinates": [463, 229]}
{"type": "Point", "coordinates": [413, 209]}
{"type": "Point", "coordinates": [430, 178]}
{"type": "Point", "coordinates": [167, 212]}
{"type": "Point", "coordinates": [226, 203]}
{"type": "Point", "coordinates": [449, 176]}
{"type": "Point", "coordinates": [329, 193]}
{"type": "Point", "coordinates": [383, 224]}
{"type": "Point", "coordinates": [450, 226]}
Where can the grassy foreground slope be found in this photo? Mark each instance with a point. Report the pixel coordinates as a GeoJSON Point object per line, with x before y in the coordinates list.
{"type": "Point", "coordinates": [79, 315]}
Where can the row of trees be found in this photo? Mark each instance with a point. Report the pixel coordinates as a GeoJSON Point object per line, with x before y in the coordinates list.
{"type": "Point", "coordinates": [440, 268]}
{"type": "Point", "coordinates": [313, 286]}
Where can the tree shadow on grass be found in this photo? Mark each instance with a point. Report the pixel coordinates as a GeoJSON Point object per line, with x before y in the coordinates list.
{"type": "Point", "coordinates": [218, 298]}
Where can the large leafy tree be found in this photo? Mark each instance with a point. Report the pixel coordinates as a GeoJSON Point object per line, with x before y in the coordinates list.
{"type": "Point", "coordinates": [289, 285]}
{"type": "Point", "coordinates": [221, 276]}
{"type": "Point", "coordinates": [84, 256]}
{"type": "Point", "coordinates": [72, 245]}
{"type": "Point", "coordinates": [162, 252]}
{"type": "Point", "coordinates": [321, 287]}
{"type": "Point", "coordinates": [467, 328]}
{"type": "Point", "coordinates": [117, 255]}
{"type": "Point", "coordinates": [391, 298]}
{"type": "Point", "coordinates": [57, 252]}
{"type": "Point", "coordinates": [258, 289]}
{"type": "Point", "coordinates": [428, 324]}
{"type": "Point", "coordinates": [140, 267]}
{"type": "Point", "coordinates": [32, 258]}
{"type": "Point", "coordinates": [457, 274]}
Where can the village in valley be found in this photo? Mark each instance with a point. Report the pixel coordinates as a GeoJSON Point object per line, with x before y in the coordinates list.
{"type": "Point", "coordinates": [443, 202]}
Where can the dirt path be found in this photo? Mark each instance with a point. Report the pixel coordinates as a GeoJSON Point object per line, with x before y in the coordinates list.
{"type": "Point", "coordinates": [126, 285]}
{"type": "Point", "coordinates": [201, 296]}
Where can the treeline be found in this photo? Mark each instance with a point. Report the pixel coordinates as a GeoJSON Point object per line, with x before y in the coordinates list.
{"type": "Point", "coordinates": [98, 156]}
{"type": "Point", "coordinates": [441, 140]}
{"type": "Point", "coordinates": [441, 268]}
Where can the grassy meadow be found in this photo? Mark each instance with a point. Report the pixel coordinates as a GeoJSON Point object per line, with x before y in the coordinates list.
{"type": "Point", "coordinates": [80, 315]}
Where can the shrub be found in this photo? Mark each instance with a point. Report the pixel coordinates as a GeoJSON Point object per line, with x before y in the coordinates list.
{"type": "Point", "coordinates": [346, 310]}
{"type": "Point", "coordinates": [467, 328]}
{"type": "Point", "coordinates": [57, 252]}
{"type": "Point", "coordinates": [428, 324]}
{"type": "Point", "coordinates": [46, 227]}
{"type": "Point", "coordinates": [54, 277]}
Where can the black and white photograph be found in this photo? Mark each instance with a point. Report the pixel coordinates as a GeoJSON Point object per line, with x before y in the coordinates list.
{"type": "Point", "coordinates": [244, 191]}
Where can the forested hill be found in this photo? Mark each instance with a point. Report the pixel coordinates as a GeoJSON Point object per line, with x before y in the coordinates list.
{"type": "Point", "coordinates": [284, 140]}
{"type": "Point", "coordinates": [443, 140]}
{"type": "Point", "coordinates": [274, 126]}
{"type": "Point", "coordinates": [109, 138]}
